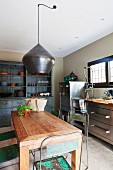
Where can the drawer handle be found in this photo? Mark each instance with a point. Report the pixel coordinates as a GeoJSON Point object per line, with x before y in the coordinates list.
{"type": "Point", "coordinates": [106, 131]}
{"type": "Point", "coordinates": [19, 102]}
{"type": "Point", "coordinates": [5, 103]}
{"type": "Point", "coordinates": [92, 112]}
{"type": "Point", "coordinates": [105, 116]}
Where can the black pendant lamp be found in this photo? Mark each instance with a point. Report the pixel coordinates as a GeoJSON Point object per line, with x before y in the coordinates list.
{"type": "Point", "coordinates": [38, 60]}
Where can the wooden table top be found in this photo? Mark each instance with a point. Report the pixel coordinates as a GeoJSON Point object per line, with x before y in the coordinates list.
{"type": "Point", "coordinates": [39, 124]}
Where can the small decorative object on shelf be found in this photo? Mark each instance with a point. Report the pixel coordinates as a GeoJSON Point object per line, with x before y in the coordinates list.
{"type": "Point", "coordinates": [71, 77]}
{"type": "Point", "coordinates": [24, 110]}
{"type": "Point", "coordinates": [21, 73]}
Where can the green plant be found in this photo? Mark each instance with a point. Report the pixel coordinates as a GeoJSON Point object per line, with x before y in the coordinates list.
{"type": "Point", "coordinates": [24, 110]}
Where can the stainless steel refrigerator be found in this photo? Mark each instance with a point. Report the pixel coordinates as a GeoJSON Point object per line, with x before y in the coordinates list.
{"type": "Point", "coordinates": [68, 91]}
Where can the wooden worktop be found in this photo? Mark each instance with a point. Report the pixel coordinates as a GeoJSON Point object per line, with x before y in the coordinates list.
{"type": "Point", "coordinates": [39, 124]}
{"type": "Point", "coordinates": [101, 101]}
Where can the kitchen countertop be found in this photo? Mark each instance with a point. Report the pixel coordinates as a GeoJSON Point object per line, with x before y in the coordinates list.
{"type": "Point", "coordinates": [102, 101]}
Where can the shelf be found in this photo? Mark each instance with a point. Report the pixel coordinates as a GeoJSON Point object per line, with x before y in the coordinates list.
{"type": "Point", "coordinates": [9, 75]}
{"type": "Point", "coordinates": [39, 86]}
{"type": "Point", "coordinates": [38, 76]}
{"type": "Point", "coordinates": [12, 86]}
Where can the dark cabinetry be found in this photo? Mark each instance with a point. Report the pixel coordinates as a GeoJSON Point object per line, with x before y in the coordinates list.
{"type": "Point", "coordinates": [101, 121]}
{"type": "Point", "coordinates": [64, 92]}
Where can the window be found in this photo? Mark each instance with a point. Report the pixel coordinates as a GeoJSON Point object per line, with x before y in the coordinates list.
{"type": "Point", "coordinates": [111, 71]}
{"type": "Point", "coordinates": [101, 72]}
{"type": "Point", "coordinates": [97, 73]}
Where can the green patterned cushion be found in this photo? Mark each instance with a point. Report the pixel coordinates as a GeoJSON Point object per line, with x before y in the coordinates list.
{"type": "Point", "coordinates": [53, 163]}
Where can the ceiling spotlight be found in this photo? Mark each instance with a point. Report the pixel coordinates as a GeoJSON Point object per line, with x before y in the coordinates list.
{"type": "Point", "coordinates": [102, 19]}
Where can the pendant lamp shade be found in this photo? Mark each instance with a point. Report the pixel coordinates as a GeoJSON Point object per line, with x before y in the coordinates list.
{"type": "Point", "coordinates": [38, 60]}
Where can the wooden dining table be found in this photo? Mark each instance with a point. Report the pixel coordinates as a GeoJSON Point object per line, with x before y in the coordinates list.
{"type": "Point", "coordinates": [32, 129]}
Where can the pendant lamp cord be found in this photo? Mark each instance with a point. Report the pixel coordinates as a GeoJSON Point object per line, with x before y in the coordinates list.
{"type": "Point", "coordinates": [54, 7]}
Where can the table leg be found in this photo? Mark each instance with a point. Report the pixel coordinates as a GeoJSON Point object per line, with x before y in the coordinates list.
{"type": "Point", "coordinates": [13, 140]}
{"type": "Point", "coordinates": [24, 158]}
{"type": "Point", "coordinates": [76, 156]}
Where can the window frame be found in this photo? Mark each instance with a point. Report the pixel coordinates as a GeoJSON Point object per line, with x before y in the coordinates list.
{"type": "Point", "coordinates": [104, 84]}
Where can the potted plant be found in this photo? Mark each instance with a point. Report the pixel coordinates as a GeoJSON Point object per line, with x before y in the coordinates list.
{"type": "Point", "coordinates": [24, 110]}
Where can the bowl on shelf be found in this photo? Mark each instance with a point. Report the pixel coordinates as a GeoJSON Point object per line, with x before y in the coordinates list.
{"type": "Point", "coordinates": [4, 73]}
{"type": "Point", "coordinates": [19, 93]}
{"type": "Point", "coordinates": [3, 83]}
{"type": "Point", "coordinates": [12, 84]}
{"type": "Point", "coordinates": [21, 73]}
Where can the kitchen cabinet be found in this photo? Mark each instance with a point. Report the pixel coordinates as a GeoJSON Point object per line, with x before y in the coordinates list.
{"type": "Point", "coordinates": [101, 120]}
{"type": "Point", "coordinates": [10, 104]}
{"type": "Point", "coordinates": [6, 106]}
{"type": "Point", "coordinates": [49, 105]}
{"type": "Point", "coordinates": [38, 85]}
{"type": "Point", "coordinates": [64, 92]}
{"type": "Point", "coordinates": [16, 84]}
{"type": "Point", "coordinates": [12, 79]}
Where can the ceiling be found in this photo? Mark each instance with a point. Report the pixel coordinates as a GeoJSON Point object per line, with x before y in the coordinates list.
{"type": "Point", "coordinates": [73, 25]}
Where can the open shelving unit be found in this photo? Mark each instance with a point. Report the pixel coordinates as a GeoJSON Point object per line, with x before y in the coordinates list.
{"type": "Point", "coordinates": [11, 81]}
{"type": "Point", "coordinates": [17, 84]}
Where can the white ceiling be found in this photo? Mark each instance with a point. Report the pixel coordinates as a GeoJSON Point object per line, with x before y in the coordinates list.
{"type": "Point", "coordinates": [73, 25]}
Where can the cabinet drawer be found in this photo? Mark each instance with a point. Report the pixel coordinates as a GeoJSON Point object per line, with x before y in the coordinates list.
{"type": "Point", "coordinates": [5, 104]}
{"type": "Point", "coordinates": [5, 112]}
{"type": "Point", "coordinates": [64, 108]}
{"type": "Point", "coordinates": [5, 122]}
{"type": "Point", "coordinates": [49, 101]}
{"type": "Point", "coordinates": [5, 117]}
{"type": "Point", "coordinates": [18, 103]}
{"type": "Point", "coordinates": [100, 114]}
{"type": "Point", "coordinates": [48, 108]}
{"type": "Point", "coordinates": [101, 129]}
